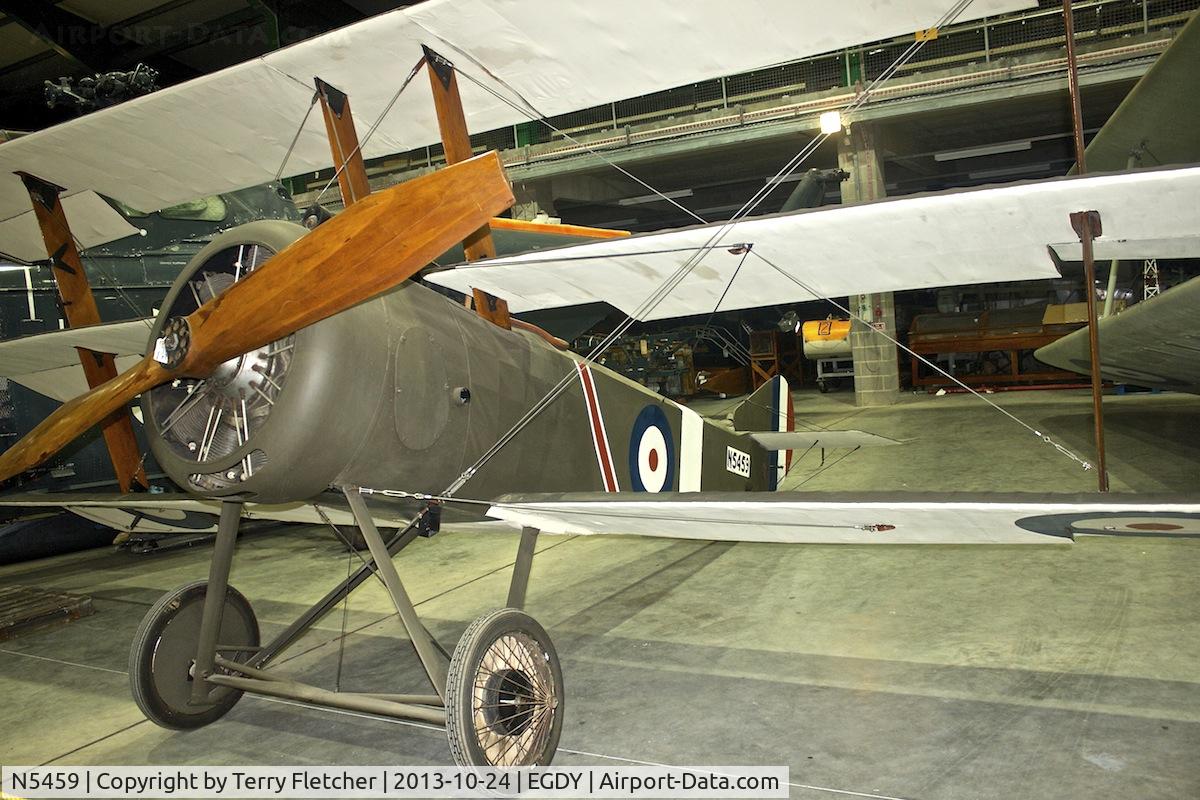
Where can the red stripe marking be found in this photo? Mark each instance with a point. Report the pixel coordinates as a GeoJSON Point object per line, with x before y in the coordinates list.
{"type": "Point", "coordinates": [603, 456]}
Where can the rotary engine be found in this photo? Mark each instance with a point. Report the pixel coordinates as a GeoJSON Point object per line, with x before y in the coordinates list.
{"type": "Point", "coordinates": [274, 424]}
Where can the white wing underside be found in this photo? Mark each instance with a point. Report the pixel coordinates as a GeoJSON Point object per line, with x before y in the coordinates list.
{"type": "Point", "coordinates": [924, 241]}
{"type": "Point", "coordinates": [49, 363]}
{"type": "Point", "coordinates": [796, 518]}
{"type": "Point", "coordinates": [233, 128]}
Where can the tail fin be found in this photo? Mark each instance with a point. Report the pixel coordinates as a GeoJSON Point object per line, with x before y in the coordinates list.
{"type": "Point", "coordinates": [769, 408]}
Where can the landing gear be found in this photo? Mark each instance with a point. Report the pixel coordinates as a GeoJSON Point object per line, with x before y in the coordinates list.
{"type": "Point", "coordinates": [162, 660]}
{"type": "Point", "coordinates": [500, 696]}
{"type": "Point", "coordinates": [504, 693]}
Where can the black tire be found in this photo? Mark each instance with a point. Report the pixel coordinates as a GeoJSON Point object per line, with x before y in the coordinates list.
{"type": "Point", "coordinates": [164, 649]}
{"type": "Point", "coordinates": [490, 720]}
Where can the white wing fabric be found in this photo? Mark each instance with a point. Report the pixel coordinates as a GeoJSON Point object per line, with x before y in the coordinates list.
{"type": "Point", "coordinates": [49, 363]}
{"type": "Point", "coordinates": [233, 128]}
{"type": "Point", "coordinates": [924, 241]}
{"type": "Point", "coordinates": [93, 222]}
{"type": "Point", "coordinates": [812, 518]}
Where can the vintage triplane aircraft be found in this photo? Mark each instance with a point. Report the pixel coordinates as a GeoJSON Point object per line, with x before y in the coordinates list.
{"type": "Point", "coordinates": [285, 363]}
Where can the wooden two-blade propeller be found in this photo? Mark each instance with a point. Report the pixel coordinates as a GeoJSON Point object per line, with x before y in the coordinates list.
{"type": "Point", "coordinates": [372, 246]}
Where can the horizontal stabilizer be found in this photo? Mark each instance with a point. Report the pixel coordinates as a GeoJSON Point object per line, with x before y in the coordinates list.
{"type": "Point", "coordinates": [799, 440]}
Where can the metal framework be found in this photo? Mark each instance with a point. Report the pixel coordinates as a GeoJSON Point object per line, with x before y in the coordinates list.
{"type": "Point", "coordinates": [1150, 284]}
{"type": "Point", "coordinates": [212, 673]}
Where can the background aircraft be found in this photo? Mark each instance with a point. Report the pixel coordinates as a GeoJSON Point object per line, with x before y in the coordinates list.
{"type": "Point", "coordinates": [1156, 342]}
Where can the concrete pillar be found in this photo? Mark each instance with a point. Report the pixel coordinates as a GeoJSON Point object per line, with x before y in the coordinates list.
{"type": "Point", "coordinates": [876, 370]}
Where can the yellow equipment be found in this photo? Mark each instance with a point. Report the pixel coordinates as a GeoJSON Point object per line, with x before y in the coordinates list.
{"type": "Point", "coordinates": [826, 338]}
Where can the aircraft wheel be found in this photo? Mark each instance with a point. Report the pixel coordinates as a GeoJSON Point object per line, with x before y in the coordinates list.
{"type": "Point", "coordinates": [163, 653]}
{"type": "Point", "coordinates": [504, 693]}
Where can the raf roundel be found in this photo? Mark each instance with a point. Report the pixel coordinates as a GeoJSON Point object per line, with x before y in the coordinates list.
{"type": "Point", "coordinates": [652, 452]}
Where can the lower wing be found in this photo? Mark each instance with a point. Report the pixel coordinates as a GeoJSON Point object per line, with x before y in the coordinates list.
{"type": "Point", "coordinates": [785, 518]}
{"type": "Point", "coordinates": [159, 513]}
{"type": "Point", "coordinates": [844, 518]}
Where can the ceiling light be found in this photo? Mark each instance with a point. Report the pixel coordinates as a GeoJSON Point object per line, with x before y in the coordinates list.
{"type": "Point", "coordinates": [831, 122]}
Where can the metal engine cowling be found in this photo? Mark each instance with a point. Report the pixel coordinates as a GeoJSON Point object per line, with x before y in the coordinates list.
{"type": "Point", "coordinates": [270, 425]}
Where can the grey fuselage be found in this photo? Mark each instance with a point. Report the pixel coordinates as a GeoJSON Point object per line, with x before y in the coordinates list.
{"type": "Point", "coordinates": [408, 390]}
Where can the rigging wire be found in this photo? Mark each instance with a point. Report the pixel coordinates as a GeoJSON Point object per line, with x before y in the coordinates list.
{"type": "Point", "coordinates": [1044, 438]}
{"type": "Point", "coordinates": [535, 115]}
{"type": "Point", "coordinates": [116, 284]}
{"type": "Point", "coordinates": [287, 156]}
{"type": "Point", "coordinates": [374, 126]}
{"type": "Point", "coordinates": [827, 466]}
{"type": "Point", "coordinates": [689, 264]}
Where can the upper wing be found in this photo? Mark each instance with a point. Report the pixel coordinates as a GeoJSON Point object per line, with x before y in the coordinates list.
{"type": "Point", "coordinates": [924, 241]}
{"type": "Point", "coordinates": [49, 363]}
{"type": "Point", "coordinates": [820, 518]}
{"type": "Point", "coordinates": [1155, 344]}
{"type": "Point", "coordinates": [235, 128]}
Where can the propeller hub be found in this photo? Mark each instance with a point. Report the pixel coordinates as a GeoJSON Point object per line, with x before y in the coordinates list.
{"type": "Point", "coordinates": [238, 377]}
{"type": "Point", "coordinates": [176, 339]}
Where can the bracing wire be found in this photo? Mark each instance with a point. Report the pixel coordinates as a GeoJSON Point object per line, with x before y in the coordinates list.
{"type": "Point", "coordinates": [689, 264]}
{"type": "Point", "coordinates": [816, 294]}
{"type": "Point", "coordinates": [295, 139]}
{"type": "Point", "coordinates": [371, 131]}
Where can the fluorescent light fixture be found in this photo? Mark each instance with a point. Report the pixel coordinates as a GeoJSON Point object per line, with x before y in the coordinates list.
{"type": "Point", "coordinates": [831, 122]}
{"type": "Point", "coordinates": [650, 198]}
{"type": "Point", "coordinates": [984, 150]}
{"type": "Point", "coordinates": [1006, 172]}
{"type": "Point", "coordinates": [14, 268]}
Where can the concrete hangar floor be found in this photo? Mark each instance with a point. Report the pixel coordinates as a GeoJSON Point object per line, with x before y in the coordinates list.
{"type": "Point", "coordinates": [920, 672]}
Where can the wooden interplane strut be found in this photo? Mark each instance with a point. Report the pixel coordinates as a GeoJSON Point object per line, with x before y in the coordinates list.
{"type": "Point", "coordinates": [79, 309]}
{"type": "Point", "coordinates": [456, 142]}
{"type": "Point", "coordinates": [343, 142]}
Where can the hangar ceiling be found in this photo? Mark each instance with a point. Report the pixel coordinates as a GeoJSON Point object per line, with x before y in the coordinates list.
{"type": "Point", "coordinates": [41, 40]}
{"type": "Point", "coordinates": [1026, 138]}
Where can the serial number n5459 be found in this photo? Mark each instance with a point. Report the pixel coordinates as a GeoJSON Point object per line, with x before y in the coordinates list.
{"type": "Point", "coordinates": [737, 462]}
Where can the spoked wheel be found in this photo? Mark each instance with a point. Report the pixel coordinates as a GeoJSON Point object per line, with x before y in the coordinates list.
{"type": "Point", "coordinates": [162, 657]}
{"type": "Point", "coordinates": [504, 693]}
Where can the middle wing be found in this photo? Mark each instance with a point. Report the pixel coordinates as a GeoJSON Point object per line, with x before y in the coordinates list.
{"type": "Point", "coordinates": [49, 363]}
{"type": "Point", "coordinates": [924, 241]}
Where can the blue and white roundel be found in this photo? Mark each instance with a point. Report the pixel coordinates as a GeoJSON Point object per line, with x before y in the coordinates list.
{"type": "Point", "coordinates": [651, 452]}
